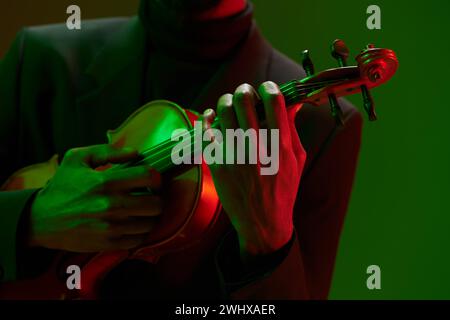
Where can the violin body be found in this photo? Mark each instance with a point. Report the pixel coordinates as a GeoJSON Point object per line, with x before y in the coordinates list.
{"type": "Point", "coordinates": [182, 223]}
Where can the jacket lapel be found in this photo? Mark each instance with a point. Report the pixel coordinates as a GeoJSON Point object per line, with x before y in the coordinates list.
{"type": "Point", "coordinates": [249, 65]}
{"type": "Point", "coordinates": [114, 82]}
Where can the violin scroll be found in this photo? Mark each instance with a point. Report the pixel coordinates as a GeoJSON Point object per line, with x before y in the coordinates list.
{"type": "Point", "coordinates": [375, 66]}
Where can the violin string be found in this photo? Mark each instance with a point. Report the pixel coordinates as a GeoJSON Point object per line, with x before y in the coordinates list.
{"type": "Point", "coordinates": [286, 92]}
{"type": "Point", "coordinates": [162, 146]}
{"type": "Point", "coordinates": [162, 150]}
{"type": "Point", "coordinates": [162, 155]}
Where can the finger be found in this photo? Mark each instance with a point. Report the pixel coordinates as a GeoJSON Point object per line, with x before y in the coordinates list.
{"type": "Point", "coordinates": [296, 143]}
{"type": "Point", "coordinates": [135, 206]}
{"type": "Point", "coordinates": [275, 108]}
{"type": "Point", "coordinates": [208, 118]}
{"type": "Point", "coordinates": [118, 180]}
{"type": "Point", "coordinates": [131, 227]}
{"type": "Point", "coordinates": [98, 155]}
{"type": "Point", "coordinates": [244, 101]}
{"type": "Point", "coordinates": [226, 114]}
{"type": "Point", "coordinates": [297, 146]}
{"type": "Point", "coordinates": [228, 121]}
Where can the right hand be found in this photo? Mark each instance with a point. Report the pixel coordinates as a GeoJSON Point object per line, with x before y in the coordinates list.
{"type": "Point", "coordinates": [85, 210]}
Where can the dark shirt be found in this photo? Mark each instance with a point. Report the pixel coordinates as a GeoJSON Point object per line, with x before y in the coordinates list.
{"type": "Point", "coordinates": [185, 55]}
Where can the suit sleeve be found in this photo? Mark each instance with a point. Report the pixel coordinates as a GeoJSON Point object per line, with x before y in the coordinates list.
{"type": "Point", "coordinates": [304, 268]}
{"type": "Point", "coordinates": [12, 204]}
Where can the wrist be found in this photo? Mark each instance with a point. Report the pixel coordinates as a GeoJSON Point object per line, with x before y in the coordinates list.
{"type": "Point", "coordinates": [24, 228]}
{"type": "Point", "coordinates": [263, 242]}
{"type": "Point", "coordinates": [30, 239]}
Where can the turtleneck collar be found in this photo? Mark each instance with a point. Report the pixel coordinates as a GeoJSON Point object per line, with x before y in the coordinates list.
{"type": "Point", "coordinates": [183, 38]}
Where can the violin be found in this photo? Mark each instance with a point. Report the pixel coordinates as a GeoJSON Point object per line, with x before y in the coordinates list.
{"type": "Point", "coordinates": [149, 131]}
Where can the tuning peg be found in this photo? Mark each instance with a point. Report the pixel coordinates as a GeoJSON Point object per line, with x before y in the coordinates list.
{"type": "Point", "coordinates": [336, 110]}
{"type": "Point", "coordinates": [307, 63]}
{"type": "Point", "coordinates": [369, 105]}
{"type": "Point", "coordinates": [340, 52]}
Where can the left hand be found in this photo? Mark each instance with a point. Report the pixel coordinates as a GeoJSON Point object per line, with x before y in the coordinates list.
{"type": "Point", "coordinates": [260, 207]}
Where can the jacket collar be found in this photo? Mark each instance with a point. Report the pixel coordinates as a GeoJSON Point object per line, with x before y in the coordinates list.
{"type": "Point", "coordinates": [123, 49]}
{"type": "Point", "coordinates": [249, 65]}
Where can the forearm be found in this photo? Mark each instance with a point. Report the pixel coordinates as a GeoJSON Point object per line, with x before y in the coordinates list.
{"type": "Point", "coordinates": [13, 204]}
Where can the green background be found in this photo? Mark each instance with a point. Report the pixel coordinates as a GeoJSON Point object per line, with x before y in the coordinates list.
{"type": "Point", "coordinates": [399, 215]}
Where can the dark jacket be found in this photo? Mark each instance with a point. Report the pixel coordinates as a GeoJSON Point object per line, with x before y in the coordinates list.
{"type": "Point", "coordinates": [60, 90]}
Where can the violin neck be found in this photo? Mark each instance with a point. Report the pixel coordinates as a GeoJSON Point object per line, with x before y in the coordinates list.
{"type": "Point", "coordinates": [160, 156]}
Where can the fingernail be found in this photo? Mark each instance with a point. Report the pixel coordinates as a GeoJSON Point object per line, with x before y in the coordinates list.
{"type": "Point", "coordinates": [271, 87]}
{"type": "Point", "coordinates": [209, 114]}
{"type": "Point", "coordinates": [245, 92]}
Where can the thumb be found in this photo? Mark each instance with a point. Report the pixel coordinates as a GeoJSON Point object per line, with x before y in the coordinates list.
{"type": "Point", "coordinates": [99, 155]}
